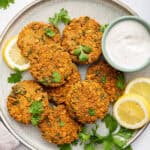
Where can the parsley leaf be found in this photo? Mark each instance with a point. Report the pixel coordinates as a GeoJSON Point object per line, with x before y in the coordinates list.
{"type": "Point", "coordinates": [84, 135]}
{"type": "Point", "coordinates": [5, 3]}
{"type": "Point", "coordinates": [62, 16]}
{"type": "Point", "coordinates": [103, 79]}
{"type": "Point", "coordinates": [65, 147]}
{"type": "Point", "coordinates": [56, 77]}
{"type": "Point", "coordinates": [91, 112]}
{"type": "Point", "coordinates": [49, 32]}
{"type": "Point", "coordinates": [83, 57]}
{"type": "Point", "coordinates": [128, 148]}
{"type": "Point", "coordinates": [103, 28]}
{"type": "Point", "coordinates": [15, 77]}
{"type": "Point", "coordinates": [108, 144]}
{"type": "Point", "coordinates": [110, 122]}
{"type": "Point", "coordinates": [82, 52]}
{"type": "Point", "coordinates": [61, 123]}
{"type": "Point", "coordinates": [121, 81]}
{"type": "Point", "coordinates": [75, 142]}
{"type": "Point", "coordinates": [89, 146]}
{"type": "Point", "coordinates": [36, 109]}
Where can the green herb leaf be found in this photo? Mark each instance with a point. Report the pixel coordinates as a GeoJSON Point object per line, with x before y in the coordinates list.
{"type": "Point", "coordinates": [103, 28]}
{"type": "Point", "coordinates": [65, 147]}
{"type": "Point", "coordinates": [103, 79]}
{"type": "Point", "coordinates": [61, 123]}
{"type": "Point", "coordinates": [5, 3]}
{"type": "Point", "coordinates": [75, 142]}
{"type": "Point", "coordinates": [56, 77]}
{"type": "Point", "coordinates": [91, 112]}
{"type": "Point", "coordinates": [119, 141]}
{"type": "Point", "coordinates": [83, 135]}
{"type": "Point", "coordinates": [86, 49]}
{"type": "Point", "coordinates": [110, 122]}
{"type": "Point", "coordinates": [83, 57]}
{"type": "Point", "coordinates": [77, 51]}
{"type": "Point", "coordinates": [62, 16]}
{"type": "Point", "coordinates": [35, 120]}
{"type": "Point", "coordinates": [36, 109]}
{"type": "Point", "coordinates": [108, 145]}
{"type": "Point", "coordinates": [121, 81]}
{"type": "Point", "coordinates": [49, 32]}
{"type": "Point", "coordinates": [15, 77]}
{"type": "Point", "coordinates": [89, 146]}
{"type": "Point", "coordinates": [128, 148]}
{"type": "Point", "coordinates": [125, 133]}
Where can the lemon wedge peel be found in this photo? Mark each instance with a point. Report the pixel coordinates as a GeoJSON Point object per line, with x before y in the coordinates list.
{"type": "Point", "coordinates": [6, 55]}
{"type": "Point", "coordinates": [145, 107]}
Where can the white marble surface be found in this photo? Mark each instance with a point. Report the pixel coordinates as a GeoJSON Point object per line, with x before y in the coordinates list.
{"type": "Point", "coordinates": [142, 7]}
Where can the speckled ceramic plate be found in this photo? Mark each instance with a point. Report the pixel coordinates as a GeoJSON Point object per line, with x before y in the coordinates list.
{"type": "Point", "coordinates": [104, 11]}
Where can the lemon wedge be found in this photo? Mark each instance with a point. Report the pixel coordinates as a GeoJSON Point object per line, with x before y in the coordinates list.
{"type": "Point", "coordinates": [132, 111]}
{"type": "Point", "coordinates": [140, 86]}
{"type": "Point", "coordinates": [12, 55]}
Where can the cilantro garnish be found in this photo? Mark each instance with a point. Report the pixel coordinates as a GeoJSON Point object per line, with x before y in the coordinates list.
{"type": "Point", "coordinates": [15, 77]}
{"type": "Point", "coordinates": [103, 28]}
{"type": "Point", "coordinates": [62, 16]}
{"type": "Point", "coordinates": [65, 147]}
{"type": "Point", "coordinates": [82, 52]}
{"type": "Point", "coordinates": [36, 110]}
{"type": "Point", "coordinates": [114, 140]}
{"type": "Point", "coordinates": [61, 123]}
{"type": "Point", "coordinates": [56, 77]}
{"type": "Point", "coordinates": [121, 81]}
{"type": "Point", "coordinates": [49, 32]}
{"type": "Point", "coordinates": [103, 79]}
{"type": "Point", "coordinates": [5, 3]}
{"type": "Point", "coordinates": [91, 112]}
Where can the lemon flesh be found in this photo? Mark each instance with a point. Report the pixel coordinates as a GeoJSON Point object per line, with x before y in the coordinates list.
{"type": "Point", "coordinates": [12, 55]}
{"type": "Point", "coordinates": [129, 115]}
{"type": "Point", "coordinates": [132, 111]}
{"type": "Point", "coordinates": [140, 86]}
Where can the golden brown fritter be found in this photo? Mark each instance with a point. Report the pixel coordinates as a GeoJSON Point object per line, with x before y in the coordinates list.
{"type": "Point", "coordinates": [83, 31]}
{"type": "Point", "coordinates": [35, 34]}
{"type": "Point", "coordinates": [22, 96]}
{"type": "Point", "coordinates": [50, 65]}
{"type": "Point", "coordinates": [87, 101]}
{"type": "Point", "coordinates": [107, 77]}
{"type": "Point", "coordinates": [58, 127]}
{"type": "Point", "coordinates": [58, 94]}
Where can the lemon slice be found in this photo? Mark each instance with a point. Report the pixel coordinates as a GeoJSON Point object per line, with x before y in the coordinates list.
{"type": "Point", "coordinates": [140, 86]}
{"type": "Point", "coordinates": [12, 55]}
{"type": "Point", "coordinates": [132, 111]}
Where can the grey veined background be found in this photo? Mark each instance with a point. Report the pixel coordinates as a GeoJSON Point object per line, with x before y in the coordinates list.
{"type": "Point", "coordinates": [142, 7]}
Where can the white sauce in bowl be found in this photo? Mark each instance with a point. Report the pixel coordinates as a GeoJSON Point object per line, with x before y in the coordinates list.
{"type": "Point", "coordinates": [128, 44]}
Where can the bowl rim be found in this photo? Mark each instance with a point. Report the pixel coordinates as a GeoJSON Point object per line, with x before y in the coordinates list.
{"type": "Point", "coordinates": [105, 53]}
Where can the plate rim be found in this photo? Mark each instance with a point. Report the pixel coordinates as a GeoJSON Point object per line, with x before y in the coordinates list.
{"type": "Point", "coordinates": [23, 10]}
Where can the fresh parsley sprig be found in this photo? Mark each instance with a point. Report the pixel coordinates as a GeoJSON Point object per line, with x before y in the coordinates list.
{"type": "Point", "coordinates": [15, 77]}
{"type": "Point", "coordinates": [120, 81]}
{"type": "Point", "coordinates": [5, 3]}
{"type": "Point", "coordinates": [62, 16]}
{"type": "Point", "coordinates": [36, 110]}
{"type": "Point", "coordinates": [82, 52]}
{"type": "Point", "coordinates": [113, 140]}
{"type": "Point", "coordinates": [103, 28]}
{"type": "Point", "coordinates": [49, 32]}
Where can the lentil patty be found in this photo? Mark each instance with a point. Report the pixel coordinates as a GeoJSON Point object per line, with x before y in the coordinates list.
{"type": "Point", "coordinates": [50, 65]}
{"type": "Point", "coordinates": [34, 34]}
{"type": "Point", "coordinates": [58, 127]}
{"type": "Point", "coordinates": [107, 77]}
{"type": "Point", "coordinates": [21, 98]}
{"type": "Point", "coordinates": [58, 94]}
{"type": "Point", "coordinates": [83, 31]}
{"type": "Point", "coordinates": [87, 101]}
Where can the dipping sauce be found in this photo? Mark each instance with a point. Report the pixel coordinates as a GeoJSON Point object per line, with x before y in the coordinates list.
{"type": "Point", "coordinates": [128, 44]}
